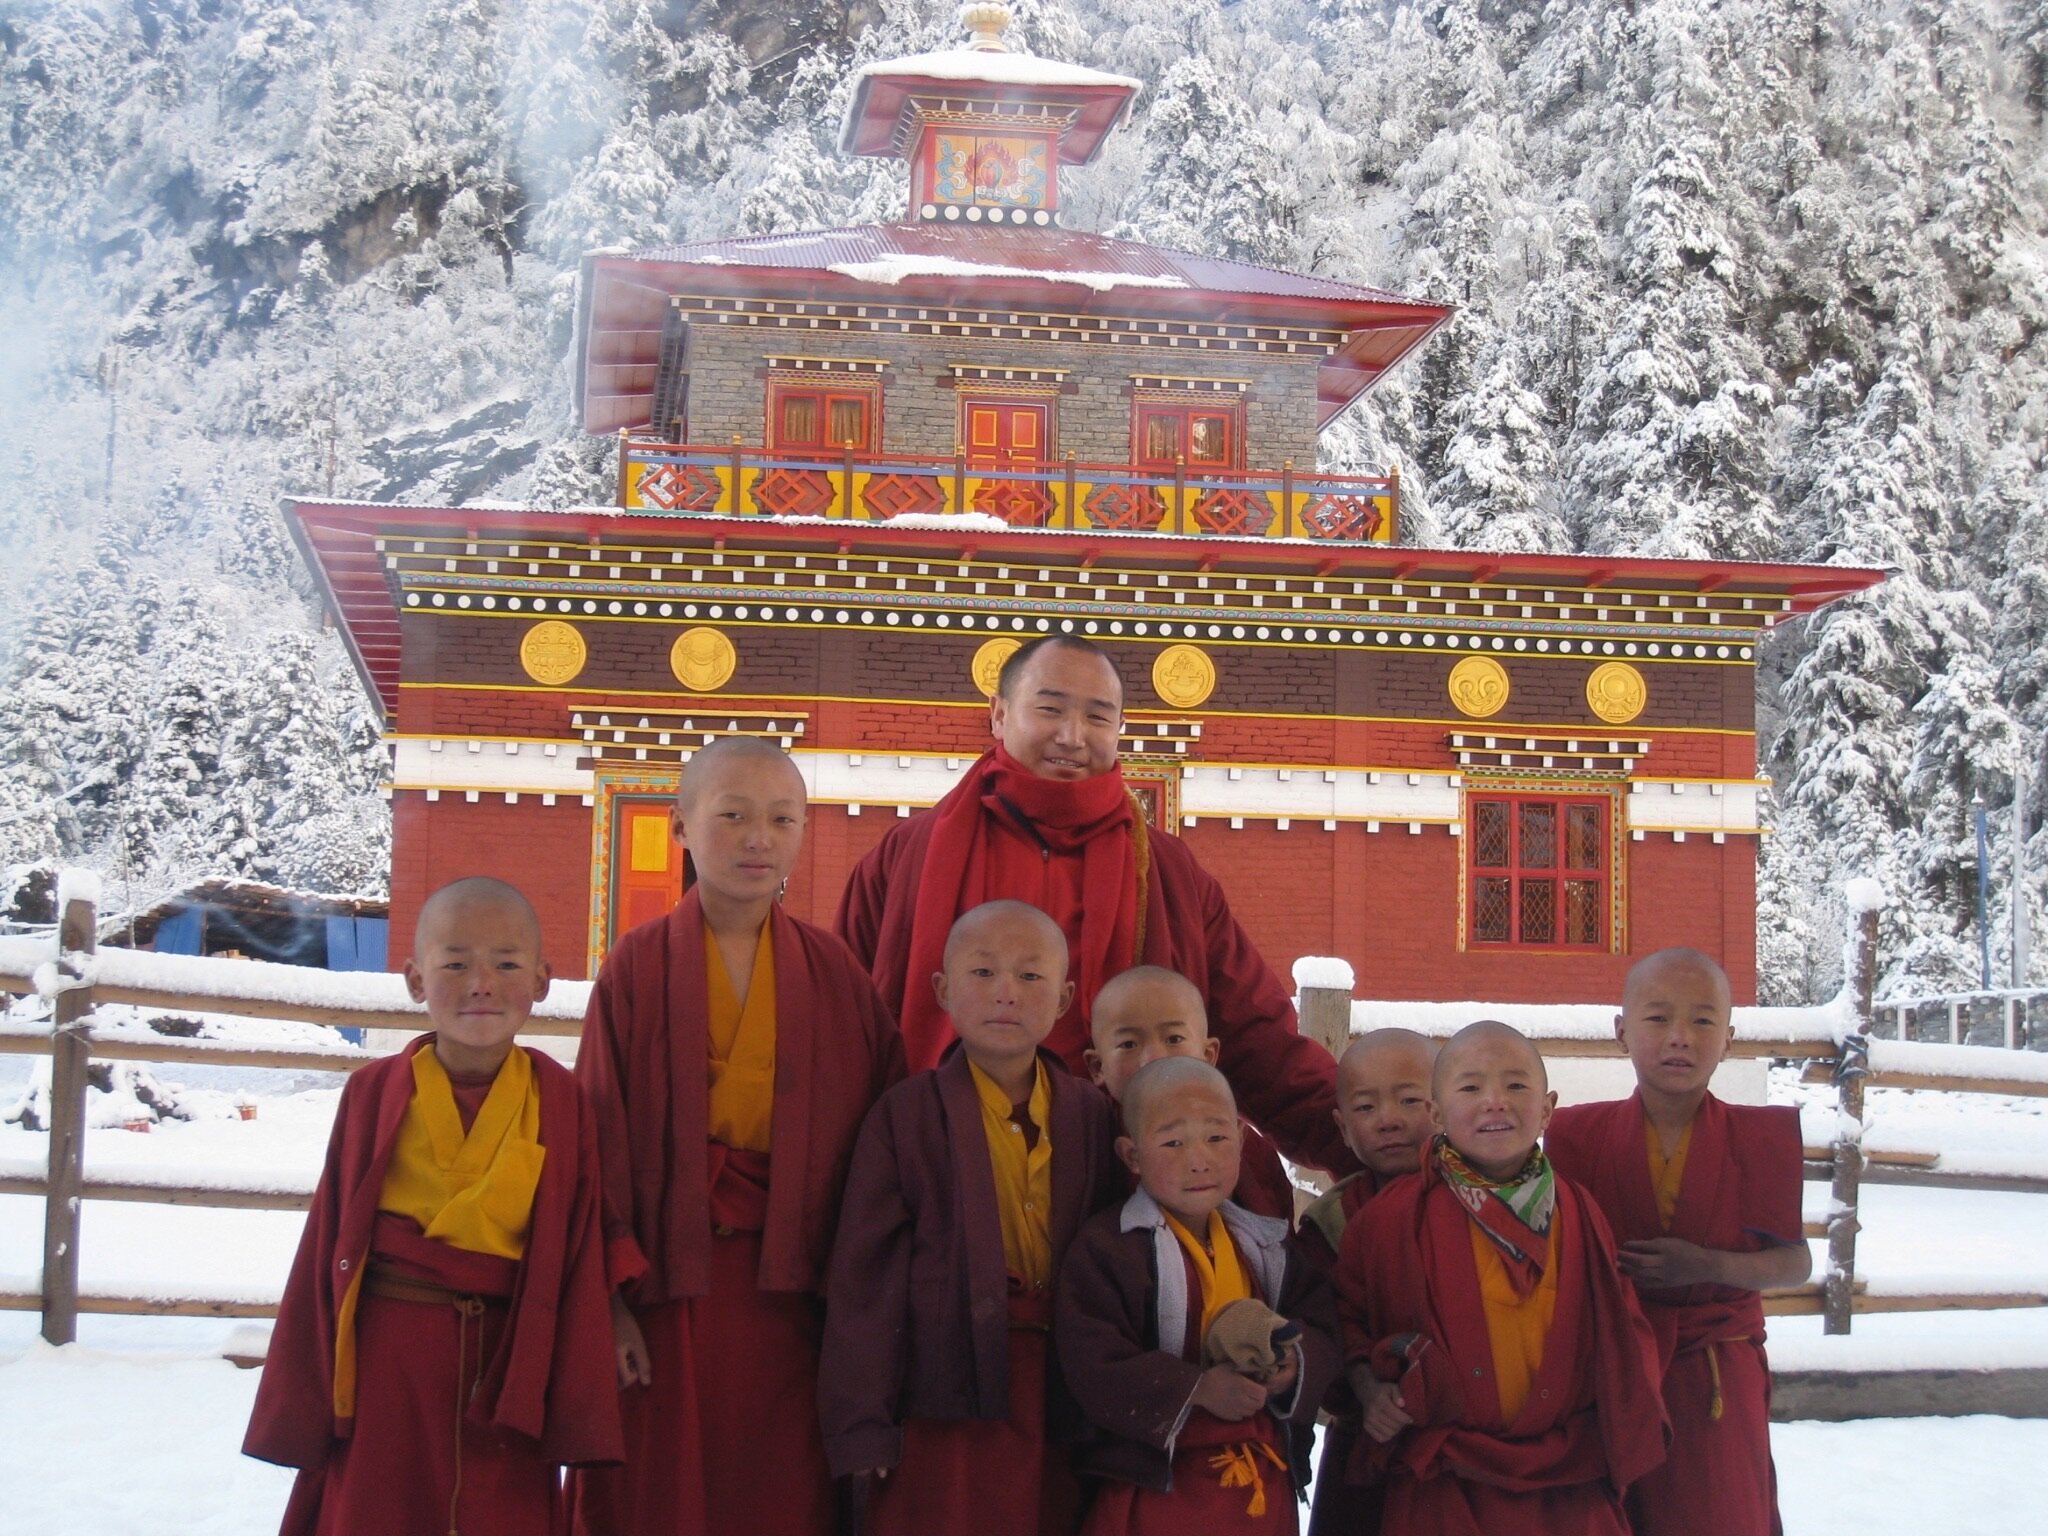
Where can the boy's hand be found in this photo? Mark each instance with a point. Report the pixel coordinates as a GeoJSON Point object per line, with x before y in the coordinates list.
{"type": "Point", "coordinates": [1661, 1263]}
{"type": "Point", "coordinates": [1283, 1380]}
{"type": "Point", "coordinates": [1385, 1413]}
{"type": "Point", "coordinates": [1229, 1396]}
{"type": "Point", "coordinates": [630, 1346]}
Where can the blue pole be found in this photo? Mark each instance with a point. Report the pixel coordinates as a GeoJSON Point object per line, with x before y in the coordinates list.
{"type": "Point", "coordinates": [1983, 899]}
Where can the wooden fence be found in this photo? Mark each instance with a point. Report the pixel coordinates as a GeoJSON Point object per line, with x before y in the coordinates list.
{"type": "Point", "coordinates": [83, 980]}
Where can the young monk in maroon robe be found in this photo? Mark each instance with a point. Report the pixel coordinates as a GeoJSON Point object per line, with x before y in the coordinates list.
{"type": "Point", "coordinates": [1044, 817]}
{"type": "Point", "coordinates": [1150, 1013]}
{"type": "Point", "coordinates": [1704, 1197]}
{"type": "Point", "coordinates": [937, 1390]}
{"type": "Point", "coordinates": [731, 1052]}
{"type": "Point", "coordinates": [1508, 1379]}
{"type": "Point", "coordinates": [443, 1344]}
{"type": "Point", "coordinates": [1384, 1112]}
{"type": "Point", "coordinates": [1195, 1337]}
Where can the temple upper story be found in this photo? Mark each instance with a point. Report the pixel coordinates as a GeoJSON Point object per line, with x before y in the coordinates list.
{"type": "Point", "coordinates": [979, 355]}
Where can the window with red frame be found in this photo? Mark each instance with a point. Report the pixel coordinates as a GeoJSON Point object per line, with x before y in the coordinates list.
{"type": "Point", "coordinates": [820, 419]}
{"type": "Point", "coordinates": [1540, 873]}
{"type": "Point", "coordinates": [1207, 436]}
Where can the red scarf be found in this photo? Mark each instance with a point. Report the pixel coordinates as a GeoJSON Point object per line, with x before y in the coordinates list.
{"type": "Point", "coordinates": [1092, 817]}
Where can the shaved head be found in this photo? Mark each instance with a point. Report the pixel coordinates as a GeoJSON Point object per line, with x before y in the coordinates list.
{"type": "Point", "coordinates": [1161, 1080]}
{"type": "Point", "coordinates": [1471, 1038]}
{"type": "Point", "coordinates": [755, 755]}
{"type": "Point", "coordinates": [976, 920]}
{"type": "Point", "coordinates": [1121, 989]}
{"type": "Point", "coordinates": [476, 893]}
{"type": "Point", "coordinates": [1383, 1045]}
{"type": "Point", "coordinates": [1647, 972]}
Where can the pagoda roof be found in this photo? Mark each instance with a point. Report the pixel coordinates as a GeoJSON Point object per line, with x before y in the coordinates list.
{"type": "Point", "coordinates": [883, 89]}
{"type": "Point", "coordinates": [624, 294]}
{"type": "Point", "coordinates": [344, 544]}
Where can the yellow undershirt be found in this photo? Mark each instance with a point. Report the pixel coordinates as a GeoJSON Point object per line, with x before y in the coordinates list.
{"type": "Point", "coordinates": [1667, 1174]}
{"type": "Point", "coordinates": [469, 1189]}
{"type": "Point", "coordinates": [1516, 1326]}
{"type": "Point", "coordinates": [741, 1108]}
{"type": "Point", "coordinates": [1218, 1267]}
{"type": "Point", "coordinates": [1023, 1175]}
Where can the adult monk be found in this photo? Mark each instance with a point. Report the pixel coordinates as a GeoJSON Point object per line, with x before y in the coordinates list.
{"type": "Point", "coordinates": [730, 1052]}
{"type": "Point", "coordinates": [1044, 817]}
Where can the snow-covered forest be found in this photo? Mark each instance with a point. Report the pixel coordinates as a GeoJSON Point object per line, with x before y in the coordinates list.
{"type": "Point", "coordinates": [1755, 278]}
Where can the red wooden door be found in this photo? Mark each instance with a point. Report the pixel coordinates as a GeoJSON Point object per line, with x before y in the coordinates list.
{"type": "Point", "coordinates": [1009, 435]}
{"type": "Point", "coordinates": [647, 865]}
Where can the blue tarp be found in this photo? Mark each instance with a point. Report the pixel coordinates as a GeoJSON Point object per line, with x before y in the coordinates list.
{"type": "Point", "coordinates": [357, 944]}
{"type": "Point", "coordinates": [178, 934]}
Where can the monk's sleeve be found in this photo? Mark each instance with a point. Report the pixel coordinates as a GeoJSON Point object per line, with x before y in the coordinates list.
{"type": "Point", "coordinates": [1286, 1083]}
{"type": "Point", "coordinates": [866, 1347]}
{"type": "Point", "coordinates": [1123, 1384]}
{"type": "Point", "coordinates": [583, 1426]}
{"type": "Point", "coordinates": [601, 1070]}
{"type": "Point", "coordinates": [859, 923]}
{"type": "Point", "coordinates": [1357, 1329]}
{"type": "Point", "coordinates": [1308, 1299]}
{"type": "Point", "coordinates": [292, 1422]}
{"type": "Point", "coordinates": [1774, 1177]}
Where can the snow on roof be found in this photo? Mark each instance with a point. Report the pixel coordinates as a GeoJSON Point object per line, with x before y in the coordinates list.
{"type": "Point", "coordinates": [1002, 68]}
{"type": "Point", "coordinates": [894, 269]}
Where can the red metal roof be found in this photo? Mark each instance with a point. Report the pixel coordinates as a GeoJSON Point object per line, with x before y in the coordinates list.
{"type": "Point", "coordinates": [623, 295]}
{"type": "Point", "coordinates": [339, 541]}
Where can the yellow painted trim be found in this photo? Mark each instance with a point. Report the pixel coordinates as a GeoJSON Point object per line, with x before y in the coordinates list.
{"type": "Point", "coordinates": [1701, 832]}
{"type": "Point", "coordinates": [1177, 617]}
{"type": "Point", "coordinates": [983, 704]}
{"type": "Point", "coordinates": [544, 741]}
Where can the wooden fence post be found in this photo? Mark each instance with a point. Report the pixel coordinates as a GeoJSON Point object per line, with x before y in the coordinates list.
{"type": "Point", "coordinates": [1839, 1288]}
{"type": "Point", "coordinates": [77, 935]}
{"type": "Point", "coordinates": [1326, 1017]}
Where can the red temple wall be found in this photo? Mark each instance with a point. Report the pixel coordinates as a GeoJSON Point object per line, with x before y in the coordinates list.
{"type": "Point", "coordinates": [544, 850]}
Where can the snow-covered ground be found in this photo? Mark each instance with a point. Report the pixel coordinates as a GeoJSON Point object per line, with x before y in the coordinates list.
{"type": "Point", "coordinates": [154, 1396]}
{"type": "Point", "coordinates": [88, 1448]}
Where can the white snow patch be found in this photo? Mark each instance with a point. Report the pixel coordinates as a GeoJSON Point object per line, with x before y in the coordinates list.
{"type": "Point", "coordinates": [1863, 895]}
{"type": "Point", "coordinates": [953, 522]}
{"type": "Point", "coordinates": [74, 884]}
{"type": "Point", "coordinates": [1590, 1021]}
{"type": "Point", "coordinates": [1327, 972]}
{"type": "Point", "coordinates": [1967, 1061]}
{"type": "Point", "coordinates": [1002, 68]}
{"type": "Point", "coordinates": [891, 270]}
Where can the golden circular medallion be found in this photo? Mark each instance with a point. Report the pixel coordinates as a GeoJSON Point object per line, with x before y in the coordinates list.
{"type": "Point", "coordinates": [987, 666]}
{"type": "Point", "coordinates": [1183, 676]}
{"type": "Point", "coordinates": [552, 652]}
{"type": "Point", "coordinates": [703, 659]}
{"type": "Point", "coordinates": [1616, 692]}
{"type": "Point", "coordinates": [1478, 686]}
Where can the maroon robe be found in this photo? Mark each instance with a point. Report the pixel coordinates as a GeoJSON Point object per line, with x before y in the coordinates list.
{"type": "Point", "coordinates": [545, 1394]}
{"type": "Point", "coordinates": [1341, 1507]}
{"type": "Point", "coordinates": [1127, 1327]}
{"type": "Point", "coordinates": [934, 1366]}
{"type": "Point", "coordinates": [736, 1244]}
{"type": "Point", "coordinates": [1286, 1083]}
{"type": "Point", "coordinates": [1593, 1423]}
{"type": "Point", "coordinates": [1740, 1192]}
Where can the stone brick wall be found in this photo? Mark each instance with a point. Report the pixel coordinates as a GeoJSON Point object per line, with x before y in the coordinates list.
{"type": "Point", "coordinates": [727, 393]}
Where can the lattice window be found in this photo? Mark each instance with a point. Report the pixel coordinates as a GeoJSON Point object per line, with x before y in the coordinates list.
{"type": "Point", "coordinates": [1541, 871]}
{"type": "Point", "coordinates": [821, 419]}
{"type": "Point", "coordinates": [1208, 436]}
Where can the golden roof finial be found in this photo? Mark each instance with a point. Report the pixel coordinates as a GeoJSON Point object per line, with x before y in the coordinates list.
{"type": "Point", "coordinates": [986, 21]}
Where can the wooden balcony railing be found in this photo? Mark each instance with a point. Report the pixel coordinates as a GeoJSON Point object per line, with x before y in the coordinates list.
{"type": "Point", "coordinates": [867, 487]}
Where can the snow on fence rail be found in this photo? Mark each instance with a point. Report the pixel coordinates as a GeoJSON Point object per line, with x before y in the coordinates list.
{"type": "Point", "coordinates": [1834, 1039]}
{"type": "Point", "coordinates": [68, 968]}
